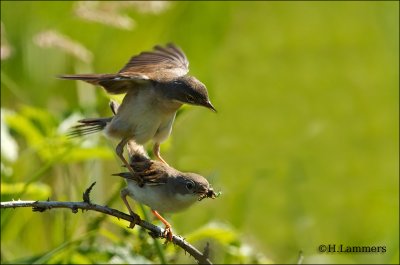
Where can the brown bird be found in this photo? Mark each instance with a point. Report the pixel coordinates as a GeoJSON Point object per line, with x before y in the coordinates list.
{"type": "Point", "coordinates": [161, 187]}
{"type": "Point", "coordinates": [156, 85]}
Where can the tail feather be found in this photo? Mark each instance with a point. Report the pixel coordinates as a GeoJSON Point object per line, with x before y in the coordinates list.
{"type": "Point", "coordinates": [88, 126]}
{"type": "Point", "coordinates": [94, 79]}
{"type": "Point", "coordinates": [113, 83]}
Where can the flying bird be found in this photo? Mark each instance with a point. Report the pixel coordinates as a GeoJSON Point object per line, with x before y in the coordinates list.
{"type": "Point", "coordinates": [156, 84]}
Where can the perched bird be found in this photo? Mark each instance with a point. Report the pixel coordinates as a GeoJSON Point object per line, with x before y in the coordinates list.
{"type": "Point", "coordinates": [161, 187]}
{"type": "Point", "coordinates": [156, 85]}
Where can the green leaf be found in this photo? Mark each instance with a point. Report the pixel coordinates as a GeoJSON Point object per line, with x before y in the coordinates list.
{"type": "Point", "coordinates": [44, 121]}
{"type": "Point", "coordinates": [25, 128]}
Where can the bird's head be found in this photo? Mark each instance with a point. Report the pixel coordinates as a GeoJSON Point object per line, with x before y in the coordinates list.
{"type": "Point", "coordinates": [189, 90]}
{"type": "Point", "coordinates": [193, 187]}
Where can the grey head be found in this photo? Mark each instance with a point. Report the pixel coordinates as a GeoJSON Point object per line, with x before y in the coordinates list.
{"type": "Point", "coordinates": [187, 89]}
{"type": "Point", "coordinates": [193, 185]}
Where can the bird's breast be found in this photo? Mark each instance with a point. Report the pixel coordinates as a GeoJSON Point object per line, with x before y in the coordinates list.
{"type": "Point", "coordinates": [159, 198]}
{"type": "Point", "coordinates": [144, 114]}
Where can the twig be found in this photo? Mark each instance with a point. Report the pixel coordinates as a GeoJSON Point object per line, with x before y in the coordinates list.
{"type": "Point", "coordinates": [156, 231]}
{"type": "Point", "coordinates": [206, 252]}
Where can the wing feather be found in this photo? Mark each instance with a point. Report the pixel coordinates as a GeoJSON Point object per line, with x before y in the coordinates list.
{"type": "Point", "coordinates": [112, 83]}
{"type": "Point", "coordinates": [162, 63]}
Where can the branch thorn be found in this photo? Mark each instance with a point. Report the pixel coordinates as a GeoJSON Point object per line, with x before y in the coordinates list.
{"type": "Point", "coordinates": [86, 194]}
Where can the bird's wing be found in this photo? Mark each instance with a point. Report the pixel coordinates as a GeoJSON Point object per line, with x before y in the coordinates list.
{"type": "Point", "coordinates": [151, 178]}
{"type": "Point", "coordinates": [155, 177]}
{"type": "Point", "coordinates": [113, 83]}
{"type": "Point", "coordinates": [163, 63]}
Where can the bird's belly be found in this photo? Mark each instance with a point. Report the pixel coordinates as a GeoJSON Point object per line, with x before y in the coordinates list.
{"type": "Point", "coordinates": [156, 199]}
{"type": "Point", "coordinates": [140, 128]}
{"type": "Point", "coordinates": [140, 118]}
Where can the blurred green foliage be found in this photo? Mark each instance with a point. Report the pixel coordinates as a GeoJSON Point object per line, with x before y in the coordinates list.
{"type": "Point", "coordinates": [304, 147]}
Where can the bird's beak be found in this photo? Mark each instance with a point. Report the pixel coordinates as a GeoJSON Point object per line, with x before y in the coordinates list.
{"type": "Point", "coordinates": [210, 193]}
{"type": "Point", "coordinates": [209, 106]}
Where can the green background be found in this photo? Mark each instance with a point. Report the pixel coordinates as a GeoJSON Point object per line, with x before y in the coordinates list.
{"type": "Point", "coordinates": [304, 146]}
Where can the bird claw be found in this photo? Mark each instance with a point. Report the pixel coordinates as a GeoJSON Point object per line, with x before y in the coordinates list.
{"type": "Point", "coordinates": [136, 220]}
{"type": "Point", "coordinates": [168, 234]}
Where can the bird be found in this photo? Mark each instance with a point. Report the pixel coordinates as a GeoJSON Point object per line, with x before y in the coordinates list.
{"type": "Point", "coordinates": [156, 84]}
{"type": "Point", "coordinates": [161, 187]}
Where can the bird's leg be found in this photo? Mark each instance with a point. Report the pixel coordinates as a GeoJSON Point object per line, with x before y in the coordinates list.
{"type": "Point", "coordinates": [114, 106]}
{"type": "Point", "coordinates": [120, 150]}
{"type": "Point", "coordinates": [136, 218]}
{"type": "Point", "coordinates": [167, 230]}
{"type": "Point", "coordinates": [156, 152]}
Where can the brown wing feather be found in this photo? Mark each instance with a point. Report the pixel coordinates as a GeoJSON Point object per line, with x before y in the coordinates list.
{"type": "Point", "coordinates": [162, 63]}
{"type": "Point", "coordinates": [93, 79]}
{"type": "Point", "coordinates": [113, 83]}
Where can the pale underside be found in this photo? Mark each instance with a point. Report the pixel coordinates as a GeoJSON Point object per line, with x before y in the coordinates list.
{"type": "Point", "coordinates": [143, 116]}
{"type": "Point", "coordinates": [155, 197]}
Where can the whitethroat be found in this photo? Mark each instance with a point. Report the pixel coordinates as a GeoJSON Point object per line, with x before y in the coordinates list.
{"type": "Point", "coordinates": [156, 85]}
{"type": "Point", "coordinates": [161, 187]}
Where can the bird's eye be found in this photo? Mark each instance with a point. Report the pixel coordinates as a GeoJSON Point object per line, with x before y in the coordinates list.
{"type": "Point", "coordinates": [190, 185]}
{"type": "Point", "coordinates": [190, 98]}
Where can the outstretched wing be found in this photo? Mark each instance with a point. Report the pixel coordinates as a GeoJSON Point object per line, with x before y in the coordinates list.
{"type": "Point", "coordinates": [163, 63]}
{"type": "Point", "coordinates": [113, 83]}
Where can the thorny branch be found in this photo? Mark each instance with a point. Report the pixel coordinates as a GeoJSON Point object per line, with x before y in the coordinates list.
{"type": "Point", "coordinates": [154, 231]}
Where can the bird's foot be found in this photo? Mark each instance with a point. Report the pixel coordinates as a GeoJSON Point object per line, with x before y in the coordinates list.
{"type": "Point", "coordinates": [136, 220]}
{"type": "Point", "coordinates": [168, 233]}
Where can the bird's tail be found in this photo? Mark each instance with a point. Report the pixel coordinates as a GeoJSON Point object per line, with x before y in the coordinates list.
{"type": "Point", "coordinates": [93, 79]}
{"type": "Point", "coordinates": [88, 126]}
